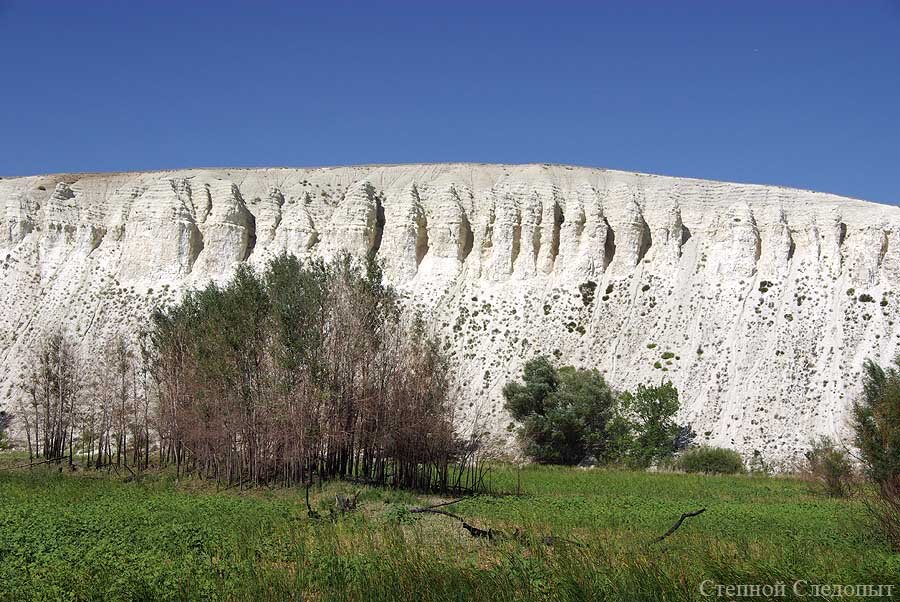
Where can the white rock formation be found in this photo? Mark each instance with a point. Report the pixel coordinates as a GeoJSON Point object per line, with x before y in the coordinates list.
{"type": "Point", "coordinates": [760, 303]}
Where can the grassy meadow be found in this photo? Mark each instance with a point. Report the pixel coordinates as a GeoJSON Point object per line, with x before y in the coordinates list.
{"type": "Point", "coordinates": [96, 537]}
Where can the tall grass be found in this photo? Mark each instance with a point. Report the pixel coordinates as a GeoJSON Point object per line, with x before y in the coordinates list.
{"type": "Point", "coordinates": [80, 538]}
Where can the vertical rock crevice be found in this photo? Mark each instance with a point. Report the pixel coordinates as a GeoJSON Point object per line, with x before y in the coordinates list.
{"type": "Point", "coordinates": [516, 244]}
{"type": "Point", "coordinates": [195, 245]}
{"type": "Point", "coordinates": [645, 241]}
{"type": "Point", "coordinates": [251, 237]}
{"type": "Point", "coordinates": [466, 238]}
{"type": "Point", "coordinates": [558, 220]}
{"type": "Point", "coordinates": [421, 237]}
{"type": "Point", "coordinates": [377, 233]}
{"type": "Point", "coordinates": [609, 246]}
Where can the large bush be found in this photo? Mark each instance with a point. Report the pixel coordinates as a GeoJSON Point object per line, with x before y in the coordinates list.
{"type": "Point", "coordinates": [830, 466]}
{"type": "Point", "coordinates": [564, 413]}
{"type": "Point", "coordinates": [711, 460]}
{"type": "Point", "coordinates": [876, 422]}
{"type": "Point", "coordinates": [569, 415]}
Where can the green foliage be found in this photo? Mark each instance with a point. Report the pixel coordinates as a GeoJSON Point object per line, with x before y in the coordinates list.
{"type": "Point", "coordinates": [587, 290]}
{"type": "Point", "coordinates": [569, 415]}
{"type": "Point", "coordinates": [540, 380]}
{"type": "Point", "coordinates": [564, 413]}
{"type": "Point", "coordinates": [831, 466]}
{"type": "Point", "coordinates": [711, 460]}
{"type": "Point", "coordinates": [876, 422]}
{"type": "Point", "coordinates": [5, 420]}
{"type": "Point", "coordinates": [651, 414]}
{"type": "Point", "coordinates": [89, 538]}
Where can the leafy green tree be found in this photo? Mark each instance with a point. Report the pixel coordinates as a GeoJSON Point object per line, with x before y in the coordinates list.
{"type": "Point", "coordinates": [876, 421]}
{"type": "Point", "coordinates": [540, 380]}
{"type": "Point", "coordinates": [565, 413]}
{"type": "Point", "coordinates": [651, 411]}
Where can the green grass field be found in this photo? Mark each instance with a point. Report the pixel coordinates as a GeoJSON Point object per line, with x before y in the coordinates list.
{"type": "Point", "coordinates": [84, 537]}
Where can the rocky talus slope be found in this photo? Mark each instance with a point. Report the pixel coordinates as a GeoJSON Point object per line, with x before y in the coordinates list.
{"type": "Point", "coordinates": [760, 303]}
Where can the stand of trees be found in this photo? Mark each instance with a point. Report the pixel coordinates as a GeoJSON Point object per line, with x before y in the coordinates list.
{"type": "Point", "coordinates": [99, 411]}
{"type": "Point", "coordinates": [299, 371]}
{"type": "Point", "coordinates": [53, 383]}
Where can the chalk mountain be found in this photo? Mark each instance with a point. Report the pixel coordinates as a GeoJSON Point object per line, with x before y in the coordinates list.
{"type": "Point", "coordinates": [760, 303]}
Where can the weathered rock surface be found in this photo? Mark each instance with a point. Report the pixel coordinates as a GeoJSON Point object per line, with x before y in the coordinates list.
{"type": "Point", "coordinates": [760, 303]}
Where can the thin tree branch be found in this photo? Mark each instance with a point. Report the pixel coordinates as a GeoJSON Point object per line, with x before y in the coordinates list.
{"type": "Point", "coordinates": [678, 523]}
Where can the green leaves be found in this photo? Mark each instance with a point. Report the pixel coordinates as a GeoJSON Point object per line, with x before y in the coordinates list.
{"type": "Point", "coordinates": [564, 413]}
{"type": "Point", "coordinates": [876, 421]}
{"type": "Point", "coordinates": [569, 415]}
{"type": "Point", "coordinates": [540, 381]}
{"type": "Point", "coordinates": [651, 411]}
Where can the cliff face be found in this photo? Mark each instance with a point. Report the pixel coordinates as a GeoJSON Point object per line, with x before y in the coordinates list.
{"type": "Point", "coordinates": [760, 303]}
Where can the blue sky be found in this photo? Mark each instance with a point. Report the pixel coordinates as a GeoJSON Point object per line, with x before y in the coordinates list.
{"type": "Point", "coordinates": [803, 94]}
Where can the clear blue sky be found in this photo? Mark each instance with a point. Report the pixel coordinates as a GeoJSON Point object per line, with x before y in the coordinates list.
{"type": "Point", "coordinates": [797, 93]}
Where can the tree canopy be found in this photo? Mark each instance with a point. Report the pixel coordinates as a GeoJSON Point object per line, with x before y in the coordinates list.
{"type": "Point", "coordinates": [570, 414]}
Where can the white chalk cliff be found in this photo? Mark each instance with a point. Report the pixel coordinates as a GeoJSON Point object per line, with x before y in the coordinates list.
{"type": "Point", "coordinates": [760, 303]}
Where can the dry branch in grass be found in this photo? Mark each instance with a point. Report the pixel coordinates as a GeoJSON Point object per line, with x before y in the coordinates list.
{"type": "Point", "coordinates": [491, 534]}
{"type": "Point", "coordinates": [678, 523]}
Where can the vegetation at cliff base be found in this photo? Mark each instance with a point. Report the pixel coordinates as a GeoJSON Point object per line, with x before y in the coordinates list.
{"type": "Point", "coordinates": [711, 460]}
{"type": "Point", "coordinates": [570, 416]}
{"type": "Point", "coordinates": [95, 537]}
{"type": "Point", "coordinates": [297, 372]}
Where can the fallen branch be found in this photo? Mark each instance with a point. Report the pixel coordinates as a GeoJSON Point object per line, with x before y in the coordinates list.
{"type": "Point", "coordinates": [678, 523]}
{"type": "Point", "coordinates": [490, 534]}
{"type": "Point", "coordinates": [430, 510]}
{"type": "Point", "coordinates": [473, 531]}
